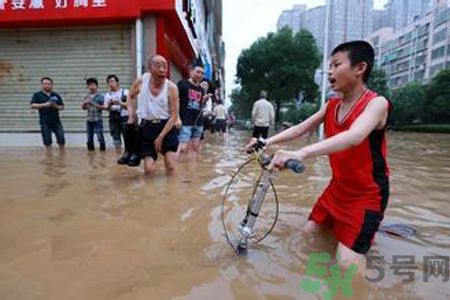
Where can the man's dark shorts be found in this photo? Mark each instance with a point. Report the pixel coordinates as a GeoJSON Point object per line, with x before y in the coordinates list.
{"type": "Point", "coordinates": [148, 132]}
{"type": "Point", "coordinates": [57, 129]}
{"type": "Point", "coordinates": [260, 132]}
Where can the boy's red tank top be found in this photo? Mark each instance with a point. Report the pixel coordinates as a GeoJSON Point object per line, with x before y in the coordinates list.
{"type": "Point", "coordinates": [360, 173]}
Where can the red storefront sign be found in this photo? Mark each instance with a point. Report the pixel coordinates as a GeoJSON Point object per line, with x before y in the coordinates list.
{"type": "Point", "coordinates": [174, 39]}
{"type": "Point", "coordinates": [24, 12]}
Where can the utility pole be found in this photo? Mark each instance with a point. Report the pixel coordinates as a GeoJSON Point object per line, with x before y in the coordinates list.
{"type": "Point", "coordinates": [325, 63]}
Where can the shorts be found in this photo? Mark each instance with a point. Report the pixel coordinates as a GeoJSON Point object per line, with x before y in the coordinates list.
{"type": "Point", "coordinates": [260, 132]}
{"type": "Point", "coordinates": [57, 129]}
{"type": "Point", "coordinates": [148, 132]}
{"type": "Point", "coordinates": [352, 224]}
{"type": "Point", "coordinates": [190, 132]}
{"type": "Point", "coordinates": [221, 125]}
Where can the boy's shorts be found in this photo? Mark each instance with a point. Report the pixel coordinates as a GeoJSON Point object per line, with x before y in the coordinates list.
{"type": "Point", "coordinates": [351, 223]}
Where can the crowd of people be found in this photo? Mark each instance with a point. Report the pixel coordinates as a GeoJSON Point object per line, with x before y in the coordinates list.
{"type": "Point", "coordinates": [145, 119]}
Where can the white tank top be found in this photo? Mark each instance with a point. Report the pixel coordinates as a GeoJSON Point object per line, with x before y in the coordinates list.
{"type": "Point", "coordinates": [152, 107]}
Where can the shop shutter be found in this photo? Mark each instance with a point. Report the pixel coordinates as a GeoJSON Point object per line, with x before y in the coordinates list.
{"type": "Point", "coordinates": [69, 55]}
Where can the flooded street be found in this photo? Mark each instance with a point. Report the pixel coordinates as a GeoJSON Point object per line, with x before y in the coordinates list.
{"type": "Point", "coordinates": [79, 226]}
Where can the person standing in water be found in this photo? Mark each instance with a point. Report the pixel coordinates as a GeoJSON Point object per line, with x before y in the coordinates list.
{"type": "Point", "coordinates": [157, 106]}
{"type": "Point", "coordinates": [353, 204]}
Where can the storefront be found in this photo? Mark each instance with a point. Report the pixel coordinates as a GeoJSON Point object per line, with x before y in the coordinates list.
{"type": "Point", "coordinates": [71, 40]}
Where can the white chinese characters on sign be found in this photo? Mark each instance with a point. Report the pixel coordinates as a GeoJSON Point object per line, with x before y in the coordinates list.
{"type": "Point", "coordinates": [18, 4]}
{"type": "Point", "coordinates": [98, 3]}
{"type": "Point", "coordinates": [80, 3]}
{"type": "Point", "coordinates": [37, 4]}
{"type": "Point", "coordinates": [61, 4]}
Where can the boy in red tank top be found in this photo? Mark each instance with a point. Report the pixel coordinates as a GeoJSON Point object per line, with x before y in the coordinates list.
{"type": "Point", "coordinates": [352, 205]}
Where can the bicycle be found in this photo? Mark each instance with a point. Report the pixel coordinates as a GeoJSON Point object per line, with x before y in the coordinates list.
{"type": "Point", "coordinates": [260, 189]}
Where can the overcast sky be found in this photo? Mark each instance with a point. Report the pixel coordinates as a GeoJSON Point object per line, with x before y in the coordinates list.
{"type": "Point", "coordinates": [246, 20]}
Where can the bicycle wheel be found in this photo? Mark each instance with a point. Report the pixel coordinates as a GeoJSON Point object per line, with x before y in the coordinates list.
{"type": "Point", "coordinates": [238, 193]}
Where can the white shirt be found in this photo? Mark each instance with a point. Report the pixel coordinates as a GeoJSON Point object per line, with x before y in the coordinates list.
{"type": "Point", "coordinates": [207, 110]}
{"type": "Point", "coordinates": [153, 107]}
{"type": "Point", "coordinates": [263, 114]}
{"type": "Point", "coordinates": [220, 112]}
{"type": "Point", "coordinates": [117, 95]}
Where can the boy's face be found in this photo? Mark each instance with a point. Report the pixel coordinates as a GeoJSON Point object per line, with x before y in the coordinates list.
{"type": "Point", "coordinates": [113, 84]}
{"type": "Point", "coordinates": [92, 87]}
{"type": "Point", "coordinates": [342, 75]}
{"type": "Point", "coordinates": [197, 74]}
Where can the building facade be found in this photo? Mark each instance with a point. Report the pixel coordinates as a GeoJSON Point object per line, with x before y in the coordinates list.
{"type": "Point", "coordinates": [401, 13]}
{"type": "Point", "coordinates": [70, 41]}
{"type": "Point", "coordinates": [349, 20]}
{"type": "Point", "coordinates": [293, 18]}
{"type": "Point", "coordinates": [416, 52]}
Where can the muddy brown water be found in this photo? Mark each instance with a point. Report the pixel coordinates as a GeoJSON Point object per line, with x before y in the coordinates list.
{"type": "Point", "coordinates": [78, 226]}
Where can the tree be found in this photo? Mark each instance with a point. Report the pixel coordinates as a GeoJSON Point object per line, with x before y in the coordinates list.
{"type": "Point", "coordinates": [295, 115]}
{"type": "Point", "coordinates": [242, 103]}
{"type": "Point", "coordinates": [282, 64]}
{"type": "Point", "coordinates": [409, 103]}
{"type": "Point", "coordinates": [437, 104]}
{"type": "Point", "coordinates": [378, 82]}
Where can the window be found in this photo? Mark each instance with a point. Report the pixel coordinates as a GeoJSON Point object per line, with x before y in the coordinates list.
{"type": "Point", "coordinates": [439, 36]}
{"type": "Point", "coordinates": [438, 53]}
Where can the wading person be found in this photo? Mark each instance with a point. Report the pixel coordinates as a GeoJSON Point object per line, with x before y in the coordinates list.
{"type": "Point", "coordinates": [49, 104]}
{"type": "Point", "coordinates": [263, 115]}
{"type": "Point", "coordinates": [221, 116]}
{"type": "Point", "coordinates": [157, 106]}
{"type": "Point", "coordinates": [353, 204]}
{"type": "Point", "coordinates": [191, 105]}
{"type": "Point", "coordinates": [116, 103]}
{"type": "Point", "coordinates": [93, 104]}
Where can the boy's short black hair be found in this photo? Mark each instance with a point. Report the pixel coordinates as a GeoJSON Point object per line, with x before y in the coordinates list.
{"type": "Point", "coordinates": [112, 76]}
{"type": "Point", "coordinates": [198, 64]}
{"type": "Point", "coordinates": [92, 80]}
{"type": "Point", "coordinates": [46, 78]}
{"type": "Point", "coordinates": [358, 51]}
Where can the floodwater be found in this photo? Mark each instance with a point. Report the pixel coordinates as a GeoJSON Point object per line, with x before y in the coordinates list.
{"type": "Point", "coordinates": [78, 226]}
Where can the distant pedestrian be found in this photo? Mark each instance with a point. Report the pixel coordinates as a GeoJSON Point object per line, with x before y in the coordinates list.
{"type": "Point", "coordinates": [49, 104]}
{"type": "Point", "coordinates": [221, 115]}
{"type": "Point", "coordinates": [263, 115]}
{"type": "Point", "coordinates": [93, 104]}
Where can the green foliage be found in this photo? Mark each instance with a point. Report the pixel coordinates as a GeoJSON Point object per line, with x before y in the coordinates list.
{"type": "Point", "coordinates": [295, 116]}
{"type": "Point", "coordinates": [378, 82]}
{"type": "Point", "coordinates": [281, 63]}
{"type": "Point", "coordinates": [437, 105]}
{"type": "Point", "coordinates": [409, 103]}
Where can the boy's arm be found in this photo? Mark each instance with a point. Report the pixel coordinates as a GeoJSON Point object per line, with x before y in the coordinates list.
{"type": "Point", "coordinates": [374, 116]}
{"type": "Point", "coordinates": [131, 100]}
{"type": "Point", "coordinates": [295, 131]}
{"type": "Point", "coordinates": [299, 129]}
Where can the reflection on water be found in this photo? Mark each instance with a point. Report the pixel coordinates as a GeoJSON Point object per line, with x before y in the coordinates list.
{"type": "Point", "coordinates": [78, 226]}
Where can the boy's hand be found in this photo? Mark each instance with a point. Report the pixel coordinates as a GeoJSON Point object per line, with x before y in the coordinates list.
{"type": "Point", "coordinates": [249, 146]}
{"type": "Point", "coordinates": [281, 157]}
